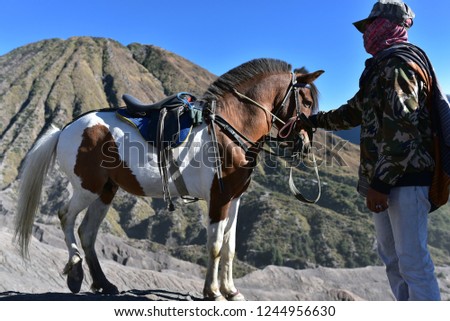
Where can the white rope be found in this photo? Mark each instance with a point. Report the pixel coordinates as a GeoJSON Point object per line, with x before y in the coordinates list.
{"type": "Point", "coordinates": [258, 105]}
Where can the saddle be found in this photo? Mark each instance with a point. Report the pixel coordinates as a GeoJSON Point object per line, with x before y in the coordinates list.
{"type": "Point", "coordinates": [136, 107]}
{"type": "Point", "coordinates": [165, 125]}
{"type": "Point", "coordinates": [167, 122]}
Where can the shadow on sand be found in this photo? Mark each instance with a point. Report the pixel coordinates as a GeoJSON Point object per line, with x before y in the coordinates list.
{"type": "Point", "coordinates": [131, 295]}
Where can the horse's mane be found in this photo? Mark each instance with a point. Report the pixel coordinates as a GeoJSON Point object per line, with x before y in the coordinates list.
{"type": "Point", "coordinates": [225, 83]}
{"type": "Point", "coordinates": [257, 67]}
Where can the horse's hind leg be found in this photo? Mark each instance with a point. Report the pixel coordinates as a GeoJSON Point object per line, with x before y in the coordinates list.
{"type": "Point", "coordinates": [67, 216]}
{"type": "Point", "coordinates": [88, 233]}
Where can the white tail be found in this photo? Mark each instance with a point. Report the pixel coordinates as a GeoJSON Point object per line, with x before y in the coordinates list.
{"type": "Point", "coordinates": [37, 163]}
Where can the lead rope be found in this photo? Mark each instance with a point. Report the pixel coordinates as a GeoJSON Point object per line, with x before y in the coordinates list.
{"type": "Point", "coordinates": [298, 195]}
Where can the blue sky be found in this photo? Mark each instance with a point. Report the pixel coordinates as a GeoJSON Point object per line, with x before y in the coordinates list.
{"type": "Point", "coordinates": [220, 35]}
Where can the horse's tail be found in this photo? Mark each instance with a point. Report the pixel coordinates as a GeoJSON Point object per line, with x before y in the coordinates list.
{"type": "Point", "coordinates": [37, 163]}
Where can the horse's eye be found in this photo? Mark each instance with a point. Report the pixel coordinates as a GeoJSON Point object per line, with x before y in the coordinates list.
{"type": "Point", "coordinates": [308, 104]}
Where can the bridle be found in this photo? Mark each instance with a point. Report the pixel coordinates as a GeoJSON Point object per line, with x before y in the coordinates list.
{"type": "Point", "coordinates": [283, 133]}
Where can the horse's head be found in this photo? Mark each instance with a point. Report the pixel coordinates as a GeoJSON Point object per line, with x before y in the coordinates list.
{"type": "Point", "coordinates": [300, 102]}
{"type": "Point", "coordinates": [264, 95]}
{"type": "Point", "coordinates": [306, 101]}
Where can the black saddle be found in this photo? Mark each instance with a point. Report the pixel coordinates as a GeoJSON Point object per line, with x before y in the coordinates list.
{"type": "Point", "coordinates": [136, 107]}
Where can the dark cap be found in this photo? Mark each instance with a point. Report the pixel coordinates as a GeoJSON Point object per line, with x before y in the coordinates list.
{"type": "Point", "coordinates": [395, 11]}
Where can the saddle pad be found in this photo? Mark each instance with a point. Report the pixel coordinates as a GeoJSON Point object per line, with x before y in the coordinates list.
{"type": "Point", "coordinates": [176, 128]}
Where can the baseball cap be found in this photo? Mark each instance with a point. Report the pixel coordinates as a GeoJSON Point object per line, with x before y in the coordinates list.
{"type": "Point", "coordinates": [395, 11]}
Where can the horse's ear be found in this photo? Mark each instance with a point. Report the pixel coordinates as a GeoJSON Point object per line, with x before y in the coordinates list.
{"type": "Point", "coordinates": [309, 77]}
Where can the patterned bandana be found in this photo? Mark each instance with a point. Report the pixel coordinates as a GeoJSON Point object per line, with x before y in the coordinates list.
{"type": "Point", "coordinates": [383, 33]}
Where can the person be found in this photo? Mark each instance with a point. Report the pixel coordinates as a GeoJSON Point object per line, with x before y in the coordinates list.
{"type": "Point", "coordinates": [396, 149]}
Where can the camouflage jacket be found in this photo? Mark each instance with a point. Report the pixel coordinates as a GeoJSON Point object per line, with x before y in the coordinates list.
{"type": "Point", "coordinates": [396, 138]}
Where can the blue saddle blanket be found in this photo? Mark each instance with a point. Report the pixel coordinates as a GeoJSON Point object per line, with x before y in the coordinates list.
{"type": "Point", "coordinates": [176, 127]}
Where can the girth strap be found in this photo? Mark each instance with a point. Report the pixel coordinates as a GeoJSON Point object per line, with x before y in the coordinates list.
{"type": "Point", "coordinates": [177, 178]}
{"type": "Point", "coordinates": [163, 156]}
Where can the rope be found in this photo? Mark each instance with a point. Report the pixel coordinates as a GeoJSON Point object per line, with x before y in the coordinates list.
{"type": "Point", "coordinates": [258, 105]}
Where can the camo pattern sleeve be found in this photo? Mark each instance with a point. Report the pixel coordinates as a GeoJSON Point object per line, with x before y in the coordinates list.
{"type": "Point", "coordinates": [345, 117]}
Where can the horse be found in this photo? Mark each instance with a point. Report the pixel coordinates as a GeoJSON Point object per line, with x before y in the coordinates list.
{"type": "Point", "coordinates": [97, 152]}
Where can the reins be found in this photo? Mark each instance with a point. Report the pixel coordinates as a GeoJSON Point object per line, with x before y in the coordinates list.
{"type": "Point", "coordinates": [246, 144]}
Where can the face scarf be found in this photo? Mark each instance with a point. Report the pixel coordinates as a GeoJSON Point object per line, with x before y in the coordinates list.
{"type": "Point", "coordinates": [383, 33]}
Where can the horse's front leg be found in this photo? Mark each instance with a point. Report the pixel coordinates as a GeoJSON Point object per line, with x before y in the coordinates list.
{"type": "Point", "coordinates": [227, 287]}
{"type": "Point", "coordinates": [214, 245]}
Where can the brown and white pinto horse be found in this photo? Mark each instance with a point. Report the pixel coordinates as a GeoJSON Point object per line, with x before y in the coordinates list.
{"type": "Point", "coordinates": [98, 154]}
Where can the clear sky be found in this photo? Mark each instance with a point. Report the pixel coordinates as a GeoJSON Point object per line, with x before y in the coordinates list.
{"type": "Point", "coordinates": [220, 35]}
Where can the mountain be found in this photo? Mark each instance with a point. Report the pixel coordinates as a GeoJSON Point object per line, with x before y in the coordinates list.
{"type": "Point", "coordinates": [351, 135]}
{"type": "Point", "coordinates": [53, 81]}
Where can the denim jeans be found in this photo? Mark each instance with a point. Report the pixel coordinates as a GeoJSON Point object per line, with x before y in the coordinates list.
{"type": "Point", "coordinates": [402, 244]}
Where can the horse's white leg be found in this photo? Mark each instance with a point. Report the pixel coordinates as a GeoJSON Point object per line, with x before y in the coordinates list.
{"type": "Point", "coordinates": [214, 246]}
{"type": "Point", "coordinates": [88, 233]}
{"type": "Point", "coordinates": [67, 216]}
{"type": "Point", "coordinates": [227, 287]}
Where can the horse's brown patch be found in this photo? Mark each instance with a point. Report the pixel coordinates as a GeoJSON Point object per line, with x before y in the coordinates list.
{"type": "Point", "coordinates": [236, 172]}
{"type": "Point", "coordinates": [99, 166]}
{"type": "Point", "coordinates": [235, 184]}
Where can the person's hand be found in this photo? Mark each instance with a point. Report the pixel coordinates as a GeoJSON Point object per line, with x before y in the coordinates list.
{"type": "Point", "coordinates": [376, 202]}
{"type": "Point", "coordinates": [307, 123]}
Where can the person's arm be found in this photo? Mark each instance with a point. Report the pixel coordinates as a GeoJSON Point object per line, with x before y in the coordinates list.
{"type": "Point", "coordinates": [345, 117]}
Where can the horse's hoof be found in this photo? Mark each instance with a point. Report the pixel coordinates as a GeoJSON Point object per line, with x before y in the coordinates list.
{"type": "Point", "coordinates": [218, 297]}
{"type": "Point", "coordinates": [75, 274]}
{"type": "Point", "coordinates": [107, 289]}
{"type": "Point", "coordinates": [212, 296]}
{"type": "Point", "coordinates": [235, 296]}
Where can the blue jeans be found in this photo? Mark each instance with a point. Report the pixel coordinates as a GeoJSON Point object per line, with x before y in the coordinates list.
{"type": "Point", "coordinates": [402, 244]}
